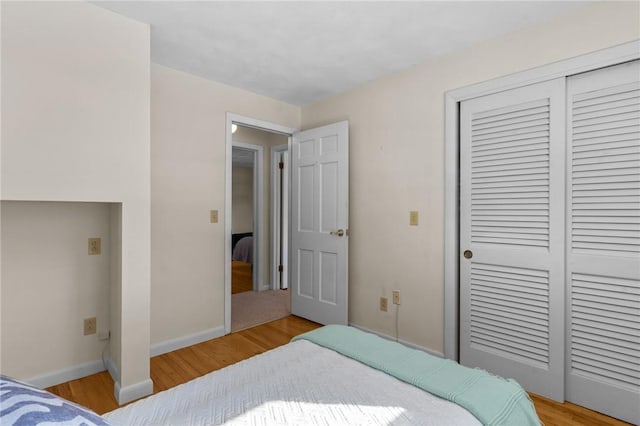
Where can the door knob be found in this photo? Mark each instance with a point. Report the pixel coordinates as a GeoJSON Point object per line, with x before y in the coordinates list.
{"type": "Point", "coordinates": [468, 254]}
{"type": "Point", "coordinates": [338, 233]}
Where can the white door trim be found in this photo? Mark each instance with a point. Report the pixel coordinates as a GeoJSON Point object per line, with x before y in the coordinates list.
{"type": "Point", "coordinates": [258, 210]}
{"type": "Point", "coordinates": [588, 62]}
{"type": "Point", "coordinates": [232, 118]}
{"type": "Point", "coordinates": [276, 244]}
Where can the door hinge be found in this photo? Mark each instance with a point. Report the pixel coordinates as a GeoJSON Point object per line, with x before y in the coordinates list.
{"type": "Point", "coordinates": [280, 268]}
{"type": "Point", "coordinates": [281, 165]}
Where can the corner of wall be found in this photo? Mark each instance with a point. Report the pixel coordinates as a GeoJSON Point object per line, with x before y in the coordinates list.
{"type": "Point", "coordinates": [115, 275]}
{"type": "Point", "coordinates": [132, 392]}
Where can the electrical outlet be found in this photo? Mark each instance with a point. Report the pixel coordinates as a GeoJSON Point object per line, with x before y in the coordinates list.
{"type": "Point", "coordinates": [396, 297]}
{"type": "Point", "coordinates": [413, 218]}
{"type": "Point", "coordinates": [213, 216]}
{"type": "Point", "coordinates": [95, 245]}
{"type": "Point", "coordinates": [383, 304]}
{"type": "Point", "coordinates": [89, 326]}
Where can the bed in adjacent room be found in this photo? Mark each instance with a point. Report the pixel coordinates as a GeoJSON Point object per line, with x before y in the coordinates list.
{"type": "Point", "coordinates": [242, 247]}
{"type": "Point", "coordinates": [241, 262]}
{"type": "Point", "coordinates": [337, 375]}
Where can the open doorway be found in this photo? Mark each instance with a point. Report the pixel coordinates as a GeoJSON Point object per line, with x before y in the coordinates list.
{"type": "Point", "coordinates": [246, 206]}
{"type": "Point", "coordinates": [318, 240]}
{"type": "Point", "coordinates": [255, 297]}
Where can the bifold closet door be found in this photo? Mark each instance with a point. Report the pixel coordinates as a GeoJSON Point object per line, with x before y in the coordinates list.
{"type": "Point", "coordinates": [512, 160]}
{"type": "Point", "coordinates": [603, 235]}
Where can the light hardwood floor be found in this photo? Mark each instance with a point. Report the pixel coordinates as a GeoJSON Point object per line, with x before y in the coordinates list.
{"type": "Point", "coordinates": [180, 366]}
{"type": "Point", "coordinates": [241, 277]}
{"type": "Point", "coordinates": [174, 368]}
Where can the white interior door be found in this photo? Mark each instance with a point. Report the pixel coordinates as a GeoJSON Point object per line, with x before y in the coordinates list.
{"type": "Point", "coordinates": [603, 234]}
{"type": "Point", "coordinates": [511, 239]}
{"type": "Point", "coordinates": [319, 223]}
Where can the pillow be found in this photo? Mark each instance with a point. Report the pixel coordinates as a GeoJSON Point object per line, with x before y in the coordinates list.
{"type": "Point", "coordinates": [22, 404]}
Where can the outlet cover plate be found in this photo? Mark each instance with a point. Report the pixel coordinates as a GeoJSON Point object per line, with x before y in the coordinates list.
{"type": "Point", "coordinates": [95, 245]}
{"type": "Point", "coordinates": [383, 304]}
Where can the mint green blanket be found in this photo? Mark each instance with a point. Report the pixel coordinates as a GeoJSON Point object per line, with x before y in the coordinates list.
{"type": "Point", "coordinates": [491, 399]}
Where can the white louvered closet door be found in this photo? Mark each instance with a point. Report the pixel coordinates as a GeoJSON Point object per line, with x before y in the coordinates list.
{"type": "Point", "coordinates": [603, 235]}
{"type": "Point", "coordinates": [512, 219]}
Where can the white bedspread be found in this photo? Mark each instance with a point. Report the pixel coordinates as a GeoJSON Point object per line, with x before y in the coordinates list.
{"type": "Point", "coordinates": [296, 384]}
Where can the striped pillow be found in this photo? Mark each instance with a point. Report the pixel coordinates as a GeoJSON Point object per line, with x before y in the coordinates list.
{"type": "Point", "coordinates": [22, 404]}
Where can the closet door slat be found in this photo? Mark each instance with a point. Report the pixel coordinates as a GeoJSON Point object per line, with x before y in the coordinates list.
{"type": "Point", "coordinates": [511, 186]}
{"type": "Point", "coordinates": [603, 234]}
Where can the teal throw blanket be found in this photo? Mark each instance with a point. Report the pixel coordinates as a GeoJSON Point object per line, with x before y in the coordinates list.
{"type": "Point", "coordinates": [491, 399]}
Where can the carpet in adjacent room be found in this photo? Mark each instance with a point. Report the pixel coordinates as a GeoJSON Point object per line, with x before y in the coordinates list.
{"type": "Point", "coordinates": [252, 308]}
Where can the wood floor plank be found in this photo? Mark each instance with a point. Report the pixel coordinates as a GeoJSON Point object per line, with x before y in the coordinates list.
{"type": "Point", "coordinates": [553, 413]}
{"type": "Point", "coordinates": [177, 367]}
{"type": "Point", "coordinates": [241, 276]}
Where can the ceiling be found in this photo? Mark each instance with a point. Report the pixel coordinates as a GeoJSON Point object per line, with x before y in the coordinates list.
{"type": "Point", "coordinates": [301, 52]}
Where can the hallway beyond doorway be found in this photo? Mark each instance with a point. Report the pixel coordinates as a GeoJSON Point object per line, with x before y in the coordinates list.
{"type": "Point", "coordinates": [251, 308]}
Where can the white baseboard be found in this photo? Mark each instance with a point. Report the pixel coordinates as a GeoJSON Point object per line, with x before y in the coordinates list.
{"type": "Point", "coordinates": [66, 374]}
{"type": "Point", "coordinates": [184, 341]}
{"type": "Point", "coordinates": [404, 342]}
{"type": "Point", "coordinates": [113, 370]}
{"type": "Point", "coordinates": [132, 392]}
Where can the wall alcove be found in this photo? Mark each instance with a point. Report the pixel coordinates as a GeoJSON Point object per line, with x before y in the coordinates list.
{"type": "Point", "coordinates": [51, 283]}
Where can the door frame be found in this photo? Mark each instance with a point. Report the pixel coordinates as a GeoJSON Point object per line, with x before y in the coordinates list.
{"type": "Point", "coordinates": [587, 62]}
{"type": "Point", "coordinates": [275, 209]}
{"type": "Point", "coordinates": [241, 120]}
{"type": "Point", "coordinates": [258, 208]}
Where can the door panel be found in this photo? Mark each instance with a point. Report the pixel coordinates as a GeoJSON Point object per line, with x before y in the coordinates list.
{"type": "Point", "coordinates": [320, 209]}
{"type": "Point", "coordinates": [511, 189]}
{"type": "Point", "coordinates": [603, 231]}
{"type": "Point", "coordinates": [328, 277]}
{"type": "Point", "coordinates": [328, 189]}
{"type": "Point", "coordinates": [305, 274]}
{"type": "Point", "coordinates": [306, 198]}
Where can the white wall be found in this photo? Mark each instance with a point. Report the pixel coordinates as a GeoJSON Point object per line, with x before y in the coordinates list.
{"type": "Point", "coordinates": [50, 284]}
{"type": "Point", "coordinates": [75, 115]}
{"type": "Point", "coordinates": [188, 130]}
{"type": "Point", "coordinates": [397, 162]}
{"type": "Point", "coordinates": [242, 199]}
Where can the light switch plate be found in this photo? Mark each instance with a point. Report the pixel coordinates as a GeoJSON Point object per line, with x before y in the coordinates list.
{"type": "Point", "coordinates": [213, 216]}
{"type": "Point", "coordinates": [413, 218]}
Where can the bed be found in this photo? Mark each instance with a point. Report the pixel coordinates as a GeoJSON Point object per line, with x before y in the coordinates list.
{"type": "Point", "coordinates": [241, 262]}
{"type": "Point", "coordinates": [336, 375]}
{"type": "Point", "coordinates": [242, 247]}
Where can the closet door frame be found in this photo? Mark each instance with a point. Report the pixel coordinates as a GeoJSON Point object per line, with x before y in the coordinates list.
{"type": "Point", "coordinates": [588, 62]}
